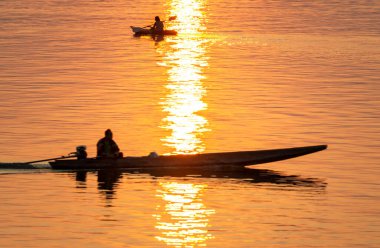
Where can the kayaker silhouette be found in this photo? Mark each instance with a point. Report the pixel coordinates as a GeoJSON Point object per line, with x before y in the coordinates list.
{"type": "Point", "coordinates": [107, 147]}
{"type": "Point", "coordinates": [158, 26]}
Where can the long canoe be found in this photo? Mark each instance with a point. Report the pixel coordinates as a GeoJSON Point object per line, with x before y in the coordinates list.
{"type": "Point", "coordinates": [234, 159]}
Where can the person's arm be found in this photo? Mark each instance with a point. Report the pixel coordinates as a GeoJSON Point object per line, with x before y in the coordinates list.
{"type": "Point", "coordinates": [115, 147]}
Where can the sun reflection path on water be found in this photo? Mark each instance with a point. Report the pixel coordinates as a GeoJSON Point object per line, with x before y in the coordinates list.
{"type": "Point", "coordinates": [183, 218]}
{"type": "Point", "coordinates": [185, 59]}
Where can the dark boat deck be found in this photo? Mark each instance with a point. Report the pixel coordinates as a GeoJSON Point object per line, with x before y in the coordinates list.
{"type": "Point", "coordinates": [226, 159]}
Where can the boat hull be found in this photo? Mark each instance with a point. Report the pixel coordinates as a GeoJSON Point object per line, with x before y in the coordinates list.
{"type": "Point", "coordinates": [144, 31]}
{"type": "Point", "coordinates": [226, 159]}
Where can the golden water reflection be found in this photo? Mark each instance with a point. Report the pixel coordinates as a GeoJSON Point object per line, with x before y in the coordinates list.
{"type": "Point", "coordinates": [185, 59]}
{"type": "Point", "coordinates": [183, 217]}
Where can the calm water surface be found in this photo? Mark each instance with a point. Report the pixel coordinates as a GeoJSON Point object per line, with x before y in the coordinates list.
{"type": "Point", "coordinates": [240, 75]}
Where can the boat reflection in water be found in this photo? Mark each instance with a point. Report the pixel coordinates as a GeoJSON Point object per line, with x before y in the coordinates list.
{"type": "Point", "coordinates": [182, 218]}
{"type": "Point", "coordinates": [107, 180]}
{"type": "Point", "coordinates": [185, 59]}
{"type": "Point", "coordinates": [246, 175]}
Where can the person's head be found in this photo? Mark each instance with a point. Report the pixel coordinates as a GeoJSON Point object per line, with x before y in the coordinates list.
{"type": "Point", "coordinates": [108, 133]}
{"type": "Point", "coordinates": [157, 18]}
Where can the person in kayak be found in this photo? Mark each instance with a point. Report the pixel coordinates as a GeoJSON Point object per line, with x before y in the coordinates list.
{"type": "Point", "coordinates": [158, 26]}
{"type": "Point", "coordinates": [107, 147]}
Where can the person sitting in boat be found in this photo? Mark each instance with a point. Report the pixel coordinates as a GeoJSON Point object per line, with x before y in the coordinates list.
{"type": "Point", "coordinates": [107, 147]}
{"type": "Point", "coordinates": [158, 26]}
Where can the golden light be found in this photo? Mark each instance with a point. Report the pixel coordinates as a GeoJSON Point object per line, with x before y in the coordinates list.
{"type": "Point", "coordinates": [185, 59]}
{"type": "Point", "coordinates": [183, 219]}
{"type": "Point", "coordinates": [189, 15]}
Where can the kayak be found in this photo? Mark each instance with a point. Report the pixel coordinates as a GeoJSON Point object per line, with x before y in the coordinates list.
{"type": "Point", "coordinates": [222, 159]}
{"type": "Point", "coordinates": [145, 31]}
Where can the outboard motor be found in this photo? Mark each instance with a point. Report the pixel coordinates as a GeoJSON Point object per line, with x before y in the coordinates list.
{"type": "Point", "coordinates": [81, 152]}
{"type": "Point", "coordinates": [153, 155]}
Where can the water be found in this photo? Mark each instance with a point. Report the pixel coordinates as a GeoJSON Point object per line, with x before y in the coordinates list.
{"type": "Point", "coordinates": [240, 75]}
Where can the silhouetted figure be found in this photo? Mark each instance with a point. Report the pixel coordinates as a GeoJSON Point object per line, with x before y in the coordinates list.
{"type": "Point", "coordinates": [81, 176]}
{"type": "Point", "coordinates": [158, 26]}
{"type": "Point", "coordinates": [107, 147]}
{"type": "Point", "coordinates": [107, 183]}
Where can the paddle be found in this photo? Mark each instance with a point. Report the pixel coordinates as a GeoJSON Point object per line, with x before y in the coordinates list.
{"type": "Point", "coordinates": [172, 18]}
{"type": "Point", "coordinates": [71, 155]}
